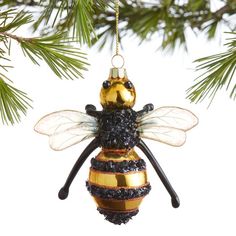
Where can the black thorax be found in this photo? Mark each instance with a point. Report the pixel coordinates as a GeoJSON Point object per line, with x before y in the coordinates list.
{"type": "Point", "coordinates": [118, 129]}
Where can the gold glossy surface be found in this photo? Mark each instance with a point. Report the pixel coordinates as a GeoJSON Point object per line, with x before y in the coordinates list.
{"type": "Point", "coordinates": [109, 179]}
{"type": "Point", "coordinates": [118, 205]}
{"type": "Point", "coordinates": [118, 73]}
{"type": "Point", "coordinates": [117, 155]}
{"type": "Point", "coordinates": [117, 95]}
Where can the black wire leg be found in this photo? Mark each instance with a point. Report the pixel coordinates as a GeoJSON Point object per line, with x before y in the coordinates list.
{"type": "Point", "coordinates": [64, 191]}
{"type": "Point", "coordinates": [147, 108]}
{"type": "Point", "coordinates": [174, 197]}
{"type": "Point", "coordinates": [91, 110]}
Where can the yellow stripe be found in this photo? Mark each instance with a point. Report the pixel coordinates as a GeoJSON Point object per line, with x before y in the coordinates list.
{"type": "Point", "coordinates": [109, 179]}
{"type": "Point", "coordinates": [118, 205]}
{"type": "Point", "coordinates": [117, 156]}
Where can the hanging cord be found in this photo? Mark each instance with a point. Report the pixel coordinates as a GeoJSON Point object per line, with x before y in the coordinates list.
{"type": "Point", "coordinates": [117, 26]}
{"type": "Point", "coordinates": [117, 60]}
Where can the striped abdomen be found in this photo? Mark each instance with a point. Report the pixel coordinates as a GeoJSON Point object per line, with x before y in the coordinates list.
{"type": "Point", "coordinates": [118, 183]}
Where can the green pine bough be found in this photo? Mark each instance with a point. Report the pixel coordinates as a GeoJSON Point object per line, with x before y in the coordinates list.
{"type": "Point", "coordinates": [13, 103]}
{"type": "Point", "coordinates": [57, 50]}
{"type": "Point", "coordinates": [217, 72]}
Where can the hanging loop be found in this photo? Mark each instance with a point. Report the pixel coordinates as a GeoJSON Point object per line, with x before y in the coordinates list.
{"type": "Point", "coordinates": [118, 61]}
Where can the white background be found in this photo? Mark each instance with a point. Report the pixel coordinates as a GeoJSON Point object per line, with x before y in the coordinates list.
{"type": "Point", "coordinates": [202, 171]}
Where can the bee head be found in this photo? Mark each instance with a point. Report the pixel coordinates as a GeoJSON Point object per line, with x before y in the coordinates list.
{"type": "Point", "coordinates": [117, 91]}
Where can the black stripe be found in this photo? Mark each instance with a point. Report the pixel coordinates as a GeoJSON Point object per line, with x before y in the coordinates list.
{"type": "Point", "coordinates": [118, 194]}
{"type": "Point", "coordinates": [121, 166]}
{"type": "Point", "coordinates": [117, 217]}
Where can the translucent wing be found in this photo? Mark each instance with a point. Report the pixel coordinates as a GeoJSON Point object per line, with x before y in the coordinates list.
{"type": "Point", "coordinates": [167, 125]}
{"type": "Point", "coordinates": [171, 136]}
{"type": "Point", "coordinates": [175, 117]}
{"type": "Point", "coordinates": [66, 128]}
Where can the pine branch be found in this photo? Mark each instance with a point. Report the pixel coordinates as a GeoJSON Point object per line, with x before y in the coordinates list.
{"type": "Point", "coordinates": [14, 3]}
{"type": "Point", "coordinates": [56, 50]}
{"type": "Point", "coordinates": [74, 17]}
{"type": "Point", "coordinates": [65, 60]}
{"type": "Point", "coordinates": [218, 72]}
{"type": "Point", "coordinates": [168, 19]}
{"type": "Point", "coordinates": [13, 103]}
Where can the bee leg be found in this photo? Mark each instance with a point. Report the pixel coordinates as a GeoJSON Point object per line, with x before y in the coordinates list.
{"type": "Point", "coordinates": [64, 191]}
{"type": "Point", "coordinates": [147, 108]}
{"type": "Point", "coordinates": [91, 110]}
{"type": "Point", "coordinates": [174, 197]}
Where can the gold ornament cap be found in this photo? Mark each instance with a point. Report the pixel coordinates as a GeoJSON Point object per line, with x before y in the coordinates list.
{"type": "Point", "coordinates": [118, 73]}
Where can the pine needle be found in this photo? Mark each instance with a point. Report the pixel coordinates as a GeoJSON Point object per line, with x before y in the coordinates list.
{"type": "Point", "coordinates": [64, 59]}
{"type": "Point", "coordinates": [13, 103]}
{"type": "Point", "coordinates": [218, 71]}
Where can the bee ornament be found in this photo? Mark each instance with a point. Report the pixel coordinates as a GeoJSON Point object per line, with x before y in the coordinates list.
{"type": "Point", "coordinates": [117, 177]}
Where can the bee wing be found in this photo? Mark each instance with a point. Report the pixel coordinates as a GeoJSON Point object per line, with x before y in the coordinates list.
{"type": "Point", "coordinates": [66, 128]}
{"type": "Point", "coordinates": [167, 135]}
{"type": "Point", "coordinates": [72, 136]}
{"type": "Point", "coordinates": [175, 117]}
{"type": "Point", "coordinates": [167, 125]}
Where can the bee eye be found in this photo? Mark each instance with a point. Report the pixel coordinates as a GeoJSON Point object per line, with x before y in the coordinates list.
{"type": "Point", "coordinates": [106, 84]}
{"type": "Point", "coordinates": [128, 85]}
